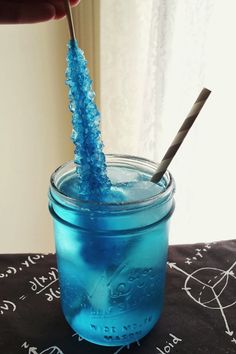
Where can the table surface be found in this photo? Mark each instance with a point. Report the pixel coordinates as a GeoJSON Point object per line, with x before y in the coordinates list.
{"type": "Point", "coordinates": [199, 314]}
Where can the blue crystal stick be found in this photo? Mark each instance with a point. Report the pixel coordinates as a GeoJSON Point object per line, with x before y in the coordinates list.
{"type": "Point", "coordinates": [86, 134]}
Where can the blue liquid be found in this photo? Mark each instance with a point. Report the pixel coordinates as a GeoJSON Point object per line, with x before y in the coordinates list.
{"type": "Point", "coordinates": [112, 264]}
{"type": "Point", "coordinates": [127, 185]}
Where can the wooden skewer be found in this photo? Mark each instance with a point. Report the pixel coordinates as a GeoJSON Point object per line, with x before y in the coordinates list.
{"type": "Point", "coordinates": [70, 19]}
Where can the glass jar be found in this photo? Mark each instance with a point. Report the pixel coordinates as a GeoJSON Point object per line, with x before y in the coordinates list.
{"type": "Point", "coordinates": [112, 256]}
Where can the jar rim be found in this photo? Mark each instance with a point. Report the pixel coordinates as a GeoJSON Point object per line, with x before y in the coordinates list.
{"type": "Point", "coordinates": [87, 204]}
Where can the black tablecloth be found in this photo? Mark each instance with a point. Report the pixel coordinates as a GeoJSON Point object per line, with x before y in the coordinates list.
{"type": "Point", "coordinates": [199, 314]}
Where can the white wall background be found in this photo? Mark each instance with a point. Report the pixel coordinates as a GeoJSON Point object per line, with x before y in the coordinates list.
{"type": "Point", "coordinates": [155, 58]}
{"type": "Point", "coordinates": [35, 124]}
{"type": "Point", "coordinates": [34, 133]}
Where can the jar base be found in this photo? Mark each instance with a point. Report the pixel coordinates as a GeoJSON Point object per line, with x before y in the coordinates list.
{"type": "Point", "coordinates": [102, 333]}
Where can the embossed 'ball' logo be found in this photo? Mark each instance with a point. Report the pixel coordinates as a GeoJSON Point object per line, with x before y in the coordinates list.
{"type": "Point", "coordinates": [142, 282]}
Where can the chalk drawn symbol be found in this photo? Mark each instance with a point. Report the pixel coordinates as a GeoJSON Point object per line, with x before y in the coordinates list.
{"type": "Point", "coordinates": [188, 261]}
{"type": "Point", "coordinates": [34, 350]}
{"type": "Point", "coordinates": [127, 347]}
{"type": "Point", "coordinates": [210, 294]}
{"type": "Point", "coordinates": [7, 306]}
{"type": "Point", "coordinates": [42, 283]}
{"type": "Point", "coordinates": [11, 270]}
{"type": "Point", "coordinates": [53, 294]}
{"type": "Point", "coordinates": [121, 348]}
{"type": "Point", "coordinates": [23, 297]}
{"type": "Point", "coordinates": [80, 339]}
{"type": "Point", "coordinates": [47, 286]}
{"type": "Point", "coordinates": [31, 350]}
{"type": "Point", "coordinates": [52, 350]}
{"type": "Point", "coordinates": [25, 345]}
{"type": "Point", "coordinates": [31, 260]}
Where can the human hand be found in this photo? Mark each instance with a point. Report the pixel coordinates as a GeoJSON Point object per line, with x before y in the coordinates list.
{"type": "Point", "coordinates": [32, 11]}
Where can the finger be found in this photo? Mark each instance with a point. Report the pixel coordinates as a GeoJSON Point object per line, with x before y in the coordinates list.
{"type": "Point", "coordinates": [14, 12]}
{"type": "Point", "coordinates": [74, 2]}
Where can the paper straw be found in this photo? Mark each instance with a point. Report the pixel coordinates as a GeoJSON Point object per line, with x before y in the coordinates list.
{"type": "Point", "coordinates": [70, 19]}
{"type": "Point", "coordinates": [179, 138]}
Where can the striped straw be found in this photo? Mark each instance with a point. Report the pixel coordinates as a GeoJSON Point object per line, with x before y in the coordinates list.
{"type": "Point", "coordinates": [179, 138]}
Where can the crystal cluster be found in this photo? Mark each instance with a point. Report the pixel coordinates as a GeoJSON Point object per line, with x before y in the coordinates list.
{"type": "Point", "coordinates": [86, 135]}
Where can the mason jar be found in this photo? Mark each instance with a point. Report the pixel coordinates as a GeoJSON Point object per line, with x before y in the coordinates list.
{"type": "Point", "coordinates": [112, 256]}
